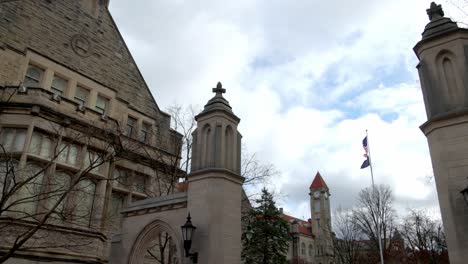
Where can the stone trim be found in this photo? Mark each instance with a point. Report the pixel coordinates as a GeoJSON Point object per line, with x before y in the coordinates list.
{"type": "Point", "coordinates": [216, 173]}
{"type": "Point", "coordinates": [172, 200]}
{"type": "Point", "coordinates": [448, 119]}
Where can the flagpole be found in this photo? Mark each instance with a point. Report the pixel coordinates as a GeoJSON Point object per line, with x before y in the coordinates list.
{"type": "Point", "coordinates": [373, 190]}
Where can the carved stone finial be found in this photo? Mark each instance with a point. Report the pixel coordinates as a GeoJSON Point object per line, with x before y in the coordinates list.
{"type": "Point", "coordinates": [435, 11]}
{"type": "Point", "coordinates": [219, 90]}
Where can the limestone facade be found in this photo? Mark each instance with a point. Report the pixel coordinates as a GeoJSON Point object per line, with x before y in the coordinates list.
{"type": "Point", "coordinates": [443, 72]}
{"type": "Point", "coordinates": [72, 96]}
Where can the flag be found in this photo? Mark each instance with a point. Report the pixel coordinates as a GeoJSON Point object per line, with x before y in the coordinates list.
{"type": "Point", "coordinates": [364, 144]}
{"type": "Point", "coordinates": [366, 162]}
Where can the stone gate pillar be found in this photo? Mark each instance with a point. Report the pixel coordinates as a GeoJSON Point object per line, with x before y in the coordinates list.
{"type": "Point", "coordinates": [215, 184]}
{"type": "Point", "coordinates": [443, 72]}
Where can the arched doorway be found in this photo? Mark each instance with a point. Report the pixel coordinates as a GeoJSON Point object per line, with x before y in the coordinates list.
{"type": "Point", "coordinates": [157, 243]}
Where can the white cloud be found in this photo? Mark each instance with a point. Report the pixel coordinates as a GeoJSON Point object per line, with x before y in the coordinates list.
{"type": "Point", "coordinates": [305, 77]}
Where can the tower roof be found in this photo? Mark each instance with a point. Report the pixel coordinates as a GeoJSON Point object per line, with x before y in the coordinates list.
{"type": "Point", "coordinates": [218, 103]}
{"type": "Point", "coordinates": [438, 24]}
{"type": "Point", "coordinates": [318, 182]}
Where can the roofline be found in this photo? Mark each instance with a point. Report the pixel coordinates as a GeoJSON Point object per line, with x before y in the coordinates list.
{"type": "Point", "coordinates": [131, 57]}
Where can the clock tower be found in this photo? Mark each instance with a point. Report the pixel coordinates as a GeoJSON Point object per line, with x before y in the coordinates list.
{"type": "Point", "coordinates": [319, 205]}
{"type": "Point", "coordinates": [321, 216]}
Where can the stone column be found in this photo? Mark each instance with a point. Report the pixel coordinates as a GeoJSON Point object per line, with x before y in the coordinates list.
{"type": "Point", "coordinates": [215, 186]}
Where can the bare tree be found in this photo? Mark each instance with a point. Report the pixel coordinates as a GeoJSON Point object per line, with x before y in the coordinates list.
{"type": "Point", "coordinates": [31, 200]}
{"type": "Point", "coordinates": [253, 170]}
{"type": "Point", "coordinates": [183, 121]}
{"type": "Point", "coordinates": [49, 179]}
{"type": "Point", "coordinates": [375, 215]}
{"type": "Point", "coordinates": [347, 244]}
{"type": "Point", "coordinates": [424, 237]}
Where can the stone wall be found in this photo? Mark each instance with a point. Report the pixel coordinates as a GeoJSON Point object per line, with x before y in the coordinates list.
{"type": "Point", "coordinates": [85, 41]}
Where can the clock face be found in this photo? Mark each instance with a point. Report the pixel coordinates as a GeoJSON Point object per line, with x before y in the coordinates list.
{"type": "Point", "coordinates": [317, 194]}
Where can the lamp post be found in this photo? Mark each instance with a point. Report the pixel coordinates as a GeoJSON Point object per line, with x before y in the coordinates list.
{"type": "Point", "coordinates": [187, 233]}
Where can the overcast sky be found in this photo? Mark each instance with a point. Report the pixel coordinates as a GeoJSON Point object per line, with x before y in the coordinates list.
{"type": "Point", "coordinates": [306, 77]}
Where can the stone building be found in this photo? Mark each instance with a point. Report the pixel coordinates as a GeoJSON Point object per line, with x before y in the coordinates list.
{"type": "Point", "coordinates": [74, 100]}
{"type": "Point", "coordinates": [443, 72]}
{"type": "Point", "coordinates": [312, 240]}
{"type": "Point", "coordinates": [88, 162]}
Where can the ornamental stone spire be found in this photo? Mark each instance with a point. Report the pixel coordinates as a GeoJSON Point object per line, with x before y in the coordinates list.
{"type": "Point", "coordinates": [435, 11]}
{"type": "Point", "coordinates": [438, 24]}
{"type": "Point", "coordinates": [216, 141]}
{"type": "Point", "coordinates": [215, 184]}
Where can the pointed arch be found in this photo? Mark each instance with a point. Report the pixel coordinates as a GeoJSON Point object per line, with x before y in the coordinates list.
{"type": "Point", "coordinates": [446, 63]}
{"type": "Point", "coordinates": [229, 148]}
{"type": "Point", "coordinates": [207, 146]}
{"type": "Point", "coordinates": [147, 235]}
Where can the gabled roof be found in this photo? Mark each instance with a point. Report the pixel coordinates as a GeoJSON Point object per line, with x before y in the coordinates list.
{"type": "Point", "coordinates": [89, 44]}
{"type": "Point", "coordinates": [304, 227]}
{"type": "Point", "coordinates": [318, 182]}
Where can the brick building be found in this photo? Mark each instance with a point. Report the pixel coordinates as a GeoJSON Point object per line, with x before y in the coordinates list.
{"type": "Point", "coordinates": [312, 240]}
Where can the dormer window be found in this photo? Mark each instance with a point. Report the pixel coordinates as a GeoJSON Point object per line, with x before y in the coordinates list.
{"type": "Point", "coordinates": [33, 76]}
{"type": "Point", "coordinates": [59, 85]}
{"type": "Point", "coordinates": [81, 95]}
{"type": "Point", "coordinates": [131, 126]}
{"type": "Point", "coordinates": [101, 104]}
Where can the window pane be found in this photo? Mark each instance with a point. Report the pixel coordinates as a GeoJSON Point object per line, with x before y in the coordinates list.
{"type": "Point", "coordinates": [145, 132]}
{"type": "Point", "coordinates": [131, 123]}
{"type": "Point", "coordinates": [46, 147]}
{"type": "Point", "coordinates": [8, 169]}
{"type": "Point", "coordinates": [115, 206]}
{"type": "Point", "coordinates": [59, 85]}
{"type": "Point", "coordinates": [73, 155]}
{"type": "Point", "coordinates": [84, 199]}
{"type": "Point", "coordinates": [63, 150]}
{"type": "Point", "coordinates": [317, 206]}
{"type": "Point", "coordinates": [81, 95]}
{"type": "Point", "coordinates": [12, 139]}
{"type": "Point", "coordinates": [59, 185]}
{"type": "Point", "coordinates": [94, 160]}
{"type": "Point", "coordinates": [7, 139]}
{"type": "Point", "coordinates": [33, 174]}
{"type": "Point", "coordinates": [33, 76]}
{"type": "Point", "coordinates": [139, 182]}
{"type": "Point", "coordinates": [121, 176]}
{"type": "Point", "coordinates": [101, 104]}
{"type": "Point", "coordinates": [35, 146]}
{"type": "Point", "coordinates": [19, 139]}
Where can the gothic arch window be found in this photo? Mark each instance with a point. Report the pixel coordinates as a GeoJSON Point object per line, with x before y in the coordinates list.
{"type": "Point", "coordinates": [229, 142]}
{"type": "Point", "coordinates": [310, 250]}
{"type": "Point", "coordinates": [449, 78]}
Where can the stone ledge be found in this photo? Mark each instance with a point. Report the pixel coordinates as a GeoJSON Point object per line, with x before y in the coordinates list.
{"type": "Point", "coordinates": [168, 200]}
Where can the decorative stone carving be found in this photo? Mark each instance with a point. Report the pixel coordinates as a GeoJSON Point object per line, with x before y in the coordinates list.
{"type": "Point", "coordinates": [81, 45]}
